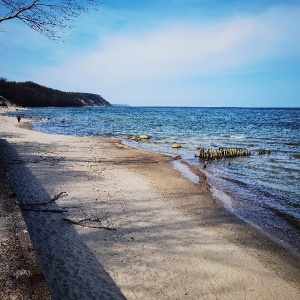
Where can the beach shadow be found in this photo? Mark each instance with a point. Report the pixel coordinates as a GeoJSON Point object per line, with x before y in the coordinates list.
{"type": "Point", "coordinates": [79, 274]}
{"type": "Point", "coordinates": [71, 270]}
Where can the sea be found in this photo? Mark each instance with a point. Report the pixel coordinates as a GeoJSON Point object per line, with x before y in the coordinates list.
{"type": "Point", "coordinates": [261, 189]}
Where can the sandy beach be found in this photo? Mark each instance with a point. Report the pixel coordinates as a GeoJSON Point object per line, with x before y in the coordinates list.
{"type": "Point", "coordinates": [111, 222]}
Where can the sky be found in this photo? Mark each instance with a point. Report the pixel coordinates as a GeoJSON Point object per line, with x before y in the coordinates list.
{"type": "Point", "coordinates": [206, 53]}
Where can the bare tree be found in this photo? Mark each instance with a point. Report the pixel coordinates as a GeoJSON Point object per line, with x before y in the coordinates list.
{"type": "Point", "coordinates": [49, 18]}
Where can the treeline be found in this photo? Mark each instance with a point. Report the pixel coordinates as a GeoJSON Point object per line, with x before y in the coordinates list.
{"type": "Point", "coordinates": [30, 94]}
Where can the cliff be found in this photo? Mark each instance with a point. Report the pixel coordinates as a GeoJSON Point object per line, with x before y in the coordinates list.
{"type": "Point", "coordinates": [30, 94]}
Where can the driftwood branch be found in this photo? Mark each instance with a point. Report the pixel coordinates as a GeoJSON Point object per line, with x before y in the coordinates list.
{"type": "Point", "coordinates": [87, 221]}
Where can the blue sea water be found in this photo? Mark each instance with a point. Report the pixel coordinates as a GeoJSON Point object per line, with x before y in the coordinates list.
{"type": "Point", "coordinates": [261, 189]}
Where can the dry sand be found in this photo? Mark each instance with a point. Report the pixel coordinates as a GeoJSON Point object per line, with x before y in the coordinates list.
{"type": "Point", "coordinates": [143, 231]}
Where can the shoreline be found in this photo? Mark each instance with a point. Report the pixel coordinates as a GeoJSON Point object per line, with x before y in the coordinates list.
{"type": "Point", "coordinates": [252, 191]}
{"type": "Point", "coordinates": [27, 124]}
{"type": "Point", "coordinates": [154, 208]}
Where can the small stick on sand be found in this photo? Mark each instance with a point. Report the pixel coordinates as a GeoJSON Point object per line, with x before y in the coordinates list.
{"type": "Point", "coordinates": [90, 219]}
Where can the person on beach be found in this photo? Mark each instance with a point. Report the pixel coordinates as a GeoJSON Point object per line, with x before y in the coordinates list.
{"type": "Point", "coordinates": [19, 118]}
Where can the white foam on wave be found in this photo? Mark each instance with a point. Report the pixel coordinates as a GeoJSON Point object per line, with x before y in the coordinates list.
{"type": "Point", "coordinates": [237, 137]}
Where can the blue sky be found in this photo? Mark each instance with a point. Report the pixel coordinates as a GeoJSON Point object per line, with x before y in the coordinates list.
{"type": "Point", "coordinates": [168, 53]}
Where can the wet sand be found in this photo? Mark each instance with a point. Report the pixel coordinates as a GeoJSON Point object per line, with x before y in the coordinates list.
{"type": "Point", "coordinates": [111, 222]}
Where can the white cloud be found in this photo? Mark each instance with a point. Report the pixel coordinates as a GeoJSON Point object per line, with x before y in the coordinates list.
{"type": "Point", "coordinates": [179, 51]}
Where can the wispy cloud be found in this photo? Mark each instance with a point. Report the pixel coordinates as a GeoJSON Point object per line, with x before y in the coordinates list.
{"type": "Point", "coordinates": [185, 49]}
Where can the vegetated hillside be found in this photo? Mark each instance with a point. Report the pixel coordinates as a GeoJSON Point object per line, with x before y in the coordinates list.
{"type": "Point", "coordinates": [30, 94]}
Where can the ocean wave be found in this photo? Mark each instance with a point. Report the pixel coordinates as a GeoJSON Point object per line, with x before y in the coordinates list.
{"type": "Point", "coordinates": [292, 219]}
{"type": "Point", "coordinates": [294, 144]}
